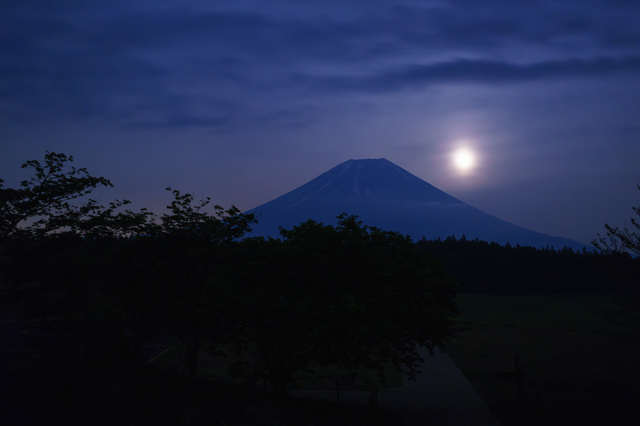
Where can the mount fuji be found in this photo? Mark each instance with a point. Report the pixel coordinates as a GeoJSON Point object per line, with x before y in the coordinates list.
{"type": "Point", "coordinates": [388, 197]}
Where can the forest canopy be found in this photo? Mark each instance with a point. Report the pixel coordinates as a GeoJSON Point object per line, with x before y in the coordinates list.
{"type": "Point", "coordinates": [346, 295]}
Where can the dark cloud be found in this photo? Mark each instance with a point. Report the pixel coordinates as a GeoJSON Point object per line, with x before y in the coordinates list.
{"type": "Point", "coordinates": [477, 71]}
{"type": "Point", "coordinates": [87, 60]}
{"type": "Point", "coordinates": [181, 121]}
{"type": "Point", "coordinates": [256, 88]}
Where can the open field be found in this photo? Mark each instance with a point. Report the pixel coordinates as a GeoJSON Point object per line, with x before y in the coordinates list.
{"type": "Point", "coordinates": [579, 368]}
{"type": "Point", "coordinates": [540, 312]}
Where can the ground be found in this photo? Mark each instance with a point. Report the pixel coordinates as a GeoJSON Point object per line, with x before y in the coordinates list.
{"type": "Point", "coordinates": [579, 368]}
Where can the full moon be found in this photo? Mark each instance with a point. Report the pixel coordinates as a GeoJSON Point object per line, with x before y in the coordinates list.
{"type": "Point", "coordinates": [464, 160]}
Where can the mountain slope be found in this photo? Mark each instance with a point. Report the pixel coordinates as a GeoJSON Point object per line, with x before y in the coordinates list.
{"type": "Point", "coordinates": [387, 196]}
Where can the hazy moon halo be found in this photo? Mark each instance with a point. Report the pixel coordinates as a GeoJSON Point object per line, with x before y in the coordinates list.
{"type": "Point", "coordinates": [464, 160]}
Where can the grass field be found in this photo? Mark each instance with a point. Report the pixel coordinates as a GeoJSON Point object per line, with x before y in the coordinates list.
{"type": "Point", "coordinates": [539, 312]}
{"type": "Point", "coordinates": [579, 367]}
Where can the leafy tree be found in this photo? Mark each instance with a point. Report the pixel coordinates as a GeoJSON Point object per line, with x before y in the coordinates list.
{"type": "Point", "coordinates": [349, 295]}
{"type": "Point", "coordinates": [616, 241]}
{"type": "Point", "coordinates": [624, 239]}
{"type": "Point", "coordinates": [123, 275]}
{"type": "Point", "coordinates": [189, 244]}
{"type": "Point", "coordinates": [62, 245]}
{"type": "Point", "coordinates": [42, 203]}
{"type": "Point", "coordinates": [161, 275]}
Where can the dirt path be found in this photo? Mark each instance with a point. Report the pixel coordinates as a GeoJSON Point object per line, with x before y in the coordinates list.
{"type": "Point", "coordinates": [441, 395]}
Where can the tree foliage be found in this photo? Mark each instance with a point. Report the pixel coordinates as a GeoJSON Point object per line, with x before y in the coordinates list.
{"type": "Point", "coordinates": [621, 239]}
{"type": "Point", "coordinates": [349, 295]}
{"type": "Point", "coordinates": [188, 249]}
{"type": "Point", "coordinates": [481, 267]}
{"type": "Point", "coordinates": [46, 203]}
{"type": "Point", "coordinates": [45, 197]}
{"type": "Point", "coordinates": [624, 240]}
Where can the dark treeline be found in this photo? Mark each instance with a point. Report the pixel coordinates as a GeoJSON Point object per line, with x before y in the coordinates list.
{"type": "Point", "coordinates": [111, 280]}
{"type": "Point", "coordinates": [490, 268]}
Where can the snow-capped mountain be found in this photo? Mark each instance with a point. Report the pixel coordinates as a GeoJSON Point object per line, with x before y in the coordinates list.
{"type": "Point", "coordinates": [388, 197]}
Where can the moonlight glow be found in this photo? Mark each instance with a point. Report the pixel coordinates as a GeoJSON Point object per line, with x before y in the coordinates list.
{"type": "Point", "coordinates": [464, 160]}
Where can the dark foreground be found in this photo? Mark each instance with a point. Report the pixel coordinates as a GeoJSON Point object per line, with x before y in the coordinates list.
{"type": "Point", "coordinates": [44, 394]}
{"type": "Point", "coordinates": [580, 369]}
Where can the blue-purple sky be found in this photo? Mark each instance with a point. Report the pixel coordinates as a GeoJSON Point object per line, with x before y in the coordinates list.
{"type": "Point", "coordinates": [243, 101]}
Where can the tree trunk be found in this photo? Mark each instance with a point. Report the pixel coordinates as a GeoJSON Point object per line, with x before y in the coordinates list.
{"type": "Point", "coordinates": [279, 388]}
{"type": "Point", "coordinates": [129, 355]}
{"type": "Point", "coordinates": [191, 346]}
{"type": "Point", "coordinates": [192, 360]}
{"type": "Point", "coordinates": [279, 379]}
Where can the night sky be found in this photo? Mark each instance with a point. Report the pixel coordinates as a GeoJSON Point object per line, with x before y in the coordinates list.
{"type": "Point", "coordinates": [244, 101]}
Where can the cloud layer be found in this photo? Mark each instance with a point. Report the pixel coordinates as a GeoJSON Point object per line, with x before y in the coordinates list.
{"type": "Point", "coordinates": [193, 64]}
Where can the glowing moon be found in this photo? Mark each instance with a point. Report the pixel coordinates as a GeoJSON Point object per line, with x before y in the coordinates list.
{"type": "Point", "coordinates": [464, 160]}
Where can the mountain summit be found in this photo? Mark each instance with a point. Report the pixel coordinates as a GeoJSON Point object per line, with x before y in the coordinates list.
{"type": "Point", "coordinates": [372, 180]}
{"type": "Point", "coordinates": [389, 197]}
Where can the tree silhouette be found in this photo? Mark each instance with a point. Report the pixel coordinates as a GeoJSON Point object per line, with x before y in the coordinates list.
{"type": "Point", "coordinates": [621, 239]}
{"type": "Point", "coordinates": [616, 241]}
{"type": "Point", "coordinates": [348, 295]}
{"type": "Point", "coordinates": [45, 199]}
{"type": "Point", "coordinates": [189, 243]}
